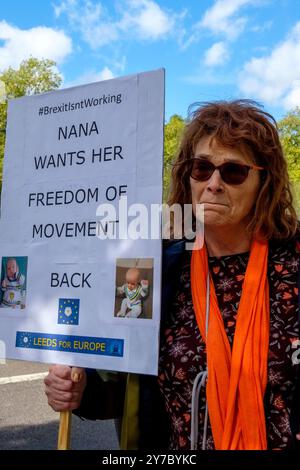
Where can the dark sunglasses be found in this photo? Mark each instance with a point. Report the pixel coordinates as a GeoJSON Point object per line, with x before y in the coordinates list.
{"type": "Point", "coordinates": [231, 172]}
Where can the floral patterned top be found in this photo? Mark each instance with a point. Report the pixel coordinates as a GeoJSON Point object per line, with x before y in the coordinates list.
{"type": "Point", "coordinates": [183, 350]}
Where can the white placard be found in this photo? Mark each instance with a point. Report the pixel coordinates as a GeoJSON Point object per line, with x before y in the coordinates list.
{"type": "Point", "coordinates": [69, 293]}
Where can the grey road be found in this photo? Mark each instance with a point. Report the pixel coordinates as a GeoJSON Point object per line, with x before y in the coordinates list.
{"type": "Point", "coordinates": [27, 422]}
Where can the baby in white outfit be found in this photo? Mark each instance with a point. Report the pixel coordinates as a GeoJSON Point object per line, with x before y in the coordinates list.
{"type": "Point", "coordinates": [134, 290]}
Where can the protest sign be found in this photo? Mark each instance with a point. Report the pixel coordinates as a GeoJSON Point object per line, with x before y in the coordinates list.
{"type": "Point", "coordinates": [80, 273]}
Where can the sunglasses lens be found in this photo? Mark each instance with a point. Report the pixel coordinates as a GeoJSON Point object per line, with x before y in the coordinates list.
{"type": "Point", "coordinates": [233, 173]}
{"type": "Point", "coordinates": [202, 170]}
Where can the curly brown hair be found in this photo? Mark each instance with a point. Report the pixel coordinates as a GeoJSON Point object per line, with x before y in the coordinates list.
{"type": "Point", "coordinates": [244, 125]}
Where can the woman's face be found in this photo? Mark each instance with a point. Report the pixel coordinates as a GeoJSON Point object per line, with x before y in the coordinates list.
{"type": "Point", "coordinates": [225, 205]}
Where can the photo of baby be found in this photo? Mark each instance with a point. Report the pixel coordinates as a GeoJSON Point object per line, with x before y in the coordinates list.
{"type": "Point", "coordinates": [13, 282]}
{"type": "Point", "coordinates": [133, 287]}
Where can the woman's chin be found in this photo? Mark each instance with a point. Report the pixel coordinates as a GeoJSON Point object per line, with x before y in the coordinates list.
{"type": "Point", "coordinates": [213, 220]}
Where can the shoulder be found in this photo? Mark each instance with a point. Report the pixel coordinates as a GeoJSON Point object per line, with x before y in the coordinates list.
{"type": "Point", "coordinates": [284, 260]}
{"type": "Point", "coordinates": [173, 250]}
{"type": "Point", "coordinates": [173, 255]}
{"type": "Point", "coordinates": [290, 247]}
{"type": "Point", "coordinates": [171, 247]}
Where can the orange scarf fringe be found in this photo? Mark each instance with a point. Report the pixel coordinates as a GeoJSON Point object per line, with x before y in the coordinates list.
{"type": "Point", "coordinates": [237, 378]}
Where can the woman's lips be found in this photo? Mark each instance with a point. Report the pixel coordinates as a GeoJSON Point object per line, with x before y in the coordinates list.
{"type": "Point", "coordinates": [214, 204]}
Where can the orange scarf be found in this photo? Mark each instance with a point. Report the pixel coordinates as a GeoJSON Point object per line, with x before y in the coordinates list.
{"type": "Point", "coordinates": [236, 379]}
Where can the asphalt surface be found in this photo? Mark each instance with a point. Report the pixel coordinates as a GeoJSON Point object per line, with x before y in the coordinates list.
{"type": "Point", "coordinates": [27, 422]}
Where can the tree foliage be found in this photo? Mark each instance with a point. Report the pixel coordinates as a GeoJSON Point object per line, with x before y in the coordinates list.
{"type": "Point", "coordinates": [289, 128]}
{"type": "Point", "coordinates": [173, 132]}
{"type": "Point", "coordinates": [32, 77]}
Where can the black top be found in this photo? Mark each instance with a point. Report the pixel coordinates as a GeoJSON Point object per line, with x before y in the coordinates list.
{"type": "Point", "coordinates": [183, 349]}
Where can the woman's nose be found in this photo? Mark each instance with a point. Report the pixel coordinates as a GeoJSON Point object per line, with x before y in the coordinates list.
{"type": "Point", "coordinates": [215, 183]}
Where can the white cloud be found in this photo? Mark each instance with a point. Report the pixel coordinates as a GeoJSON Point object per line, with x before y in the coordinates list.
{"type": "Point", "coordinates": [147, 19]}
{"type": "Point", "coordinates": [105, 74]}
{"type": "Point", "coordinates": [92, 20]}
{"type": "Point", "coordinates": [135, 19]}
{"type": "Point", "coordinates": [292, 99]}
{"type": "Point", "coordinates": [261, 28]}
{"type": "Point", "coordinates": [208, 77]}
{"type": "Point", "coordinates": [217, 54]}
{"type": "Point", "coordinates": [222, 18]}
{"type": "Point", "coordinates": [119, 63]}
{"type": "Point", "coordinates": [90, 77]}
{"type": "Point", "coordinates": [275, 78]}
{"type": "Point", "coordinates": [40, 42]}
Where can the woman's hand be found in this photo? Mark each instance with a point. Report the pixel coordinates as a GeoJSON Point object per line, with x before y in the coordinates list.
{"type": "Point", "coordinates": [64, 387]}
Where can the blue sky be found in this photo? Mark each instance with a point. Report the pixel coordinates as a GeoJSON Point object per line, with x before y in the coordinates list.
{"type": "Point", "coordinates": [211, 49]}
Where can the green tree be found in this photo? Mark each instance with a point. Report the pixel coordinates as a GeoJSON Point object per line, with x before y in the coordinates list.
{"type": "Point", "coordinates": [32, 77]}
{"type": "Point", "coordinates": [289, 128]}
{"type": "Point", "coordinates": [173, 133]}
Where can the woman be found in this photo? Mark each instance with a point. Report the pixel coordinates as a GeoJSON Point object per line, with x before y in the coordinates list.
{"type": "Point", "coordinates": [228, 378]}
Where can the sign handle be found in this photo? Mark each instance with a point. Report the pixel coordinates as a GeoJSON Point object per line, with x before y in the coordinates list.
{"type": "Point", "coordinates": [65, 419]}
{"type": "Point", "coordinates": [64, 432]}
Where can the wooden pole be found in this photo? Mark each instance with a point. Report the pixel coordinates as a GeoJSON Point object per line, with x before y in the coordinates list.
{"type": "Point", "coordinates": [64, 432]}
{"type": "Point", "coordinates": [65, 420]}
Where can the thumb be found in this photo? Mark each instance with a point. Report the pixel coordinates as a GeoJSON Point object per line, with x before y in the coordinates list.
{"type": "Point", "coordinates": [77, 374]}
